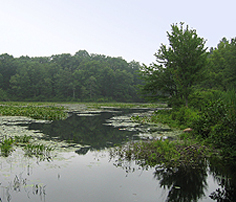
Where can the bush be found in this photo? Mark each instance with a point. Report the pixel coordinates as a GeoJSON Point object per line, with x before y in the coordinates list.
{"type": "Point", "coordinates": [200, 98]}
{"type": "Point", "coordinates": [177, 118]}
{"type": "Point", "coordinates": [217, 124]}
{"type": "Point", "coordinates": [184, 117]}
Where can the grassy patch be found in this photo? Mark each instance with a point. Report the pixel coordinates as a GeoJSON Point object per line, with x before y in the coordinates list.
{"type": "Point", "coordinates": [183, 152]}
{"type": "Point", "coordinates": [181, 118]}
{"type": "Point", "coordinates": [33, 111]}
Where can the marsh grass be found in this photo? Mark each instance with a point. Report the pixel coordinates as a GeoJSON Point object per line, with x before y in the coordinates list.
{"type": "Point", "coordinates": [176, 119]}
{"type": "Point", "coordinates": [99, 105]}
{"type": "Point", "coordinates": [55, 111]}
{"type": "Point", "coordinates": [40, 151]}
{"type": "Point", "coordinates": [22, 139]}
{"type": "Point", "coordinates": [185, 153]}
{"type": "Point", "coordinates": [33, 111]}
{"type": "Point", "coordinates": [6, 146]}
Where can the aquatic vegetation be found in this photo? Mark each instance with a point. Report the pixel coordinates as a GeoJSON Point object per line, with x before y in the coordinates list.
{"type": "Point", "coordinates": [99, 105]}
{"type": "Point", "coordinates": [180, 167]}
{"type": "Point", "coordinates": [38, 150]}
{"type": "Point", "coordinates": [31, 149]}
{"type": "Point", "coordinates": [33, 111]}
{"type": "Point", "coordinates": [6, 146]}
{"type": "Point", "coordinates": [22, 139]}
{"type": "Point", "coordinates": [169, 153]}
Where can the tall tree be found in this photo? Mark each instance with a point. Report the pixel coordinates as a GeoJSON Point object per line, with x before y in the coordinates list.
{"type": "Point", "coordinates": [223, 64]}
{"type": "Point", "coordinates": [180, 62]}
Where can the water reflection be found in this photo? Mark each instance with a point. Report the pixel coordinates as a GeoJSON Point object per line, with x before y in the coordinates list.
{"type": "Point", "coordinates": [89, 171]}
{"type": "Point", "coordinates": [85, 130]}
{"type": "Point", "coordinates": [16, 183]}
{"type": "Point", "coordinates": [29, 180]}
{"type": "Point", "coordinates": [184, 183]}
{"type": "Point", "coordinates": [225, 175]}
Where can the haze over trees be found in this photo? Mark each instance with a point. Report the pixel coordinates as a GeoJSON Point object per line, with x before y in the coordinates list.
{"type": "Point", "coordinates": [184, 70]}
{"type": "Point", "coordinates": [81, 77]}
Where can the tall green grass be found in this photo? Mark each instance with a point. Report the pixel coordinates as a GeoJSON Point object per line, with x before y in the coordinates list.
{"type": "Point", "coordinates": [31, 149]}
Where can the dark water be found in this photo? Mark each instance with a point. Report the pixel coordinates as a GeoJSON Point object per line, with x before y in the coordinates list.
{"type": "Point", "coordinates": [89, 129]}
{"type": "Point", "coordinates": [91, 175]}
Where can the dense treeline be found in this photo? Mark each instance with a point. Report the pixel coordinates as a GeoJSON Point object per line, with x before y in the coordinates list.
{"type": "Point", "coordinates": [81, 77]}
{"type": "Point", "coordinates": [186, 72]}
{"type": "Point", "coordinates": [199, 85]}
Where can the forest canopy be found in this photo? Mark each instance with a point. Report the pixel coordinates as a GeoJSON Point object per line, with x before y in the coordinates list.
{"type": "Point", "coordinates": [185, 69]}
{"type": "Point", "coordinates": [182, 70]}
{"type": "Point", "coordinates": [66, 77]}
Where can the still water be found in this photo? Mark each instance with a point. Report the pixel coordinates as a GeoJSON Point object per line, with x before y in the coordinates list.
{"type": "Point", "coordinates": [89, 174]}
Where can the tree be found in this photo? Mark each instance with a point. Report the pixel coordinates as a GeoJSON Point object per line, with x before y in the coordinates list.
{"type": "Point", "coordinates": [66, 77]}
{"type": "Point", "coordinates": [8, 66]}
{"type": "Point", "coordinates": [179, 64]}
{"type": "Point", "coordinates": [222, 65]}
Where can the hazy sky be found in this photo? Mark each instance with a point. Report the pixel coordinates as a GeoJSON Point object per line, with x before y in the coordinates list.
{"type": "Point", "coordinates": [132, 29]}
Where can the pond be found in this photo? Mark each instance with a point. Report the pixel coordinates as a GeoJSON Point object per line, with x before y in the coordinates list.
{"type": "Point", "coordinates": [83, 170]}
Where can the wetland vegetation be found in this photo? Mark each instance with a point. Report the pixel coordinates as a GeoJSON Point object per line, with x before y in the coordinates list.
{"type": "Point", "coordinates": [180, 164]}
{"type": "Point", "coordinates": [187, 136]}
{"type": "Point", "coordinates": [34, 111]}
{"type": "Point", "coordinates": [30, 148]}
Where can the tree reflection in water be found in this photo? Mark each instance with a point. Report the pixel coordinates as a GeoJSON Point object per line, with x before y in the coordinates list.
{"type": "Point", "coordinates": [85, 130]}
{"type": "Point", "coordinates": [184, 183]}
{"type": "Point", "coordinates": [225, 175]}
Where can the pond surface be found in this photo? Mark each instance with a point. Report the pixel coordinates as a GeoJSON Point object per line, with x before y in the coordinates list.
{"type": "Point", "coordinates": [89, 174]}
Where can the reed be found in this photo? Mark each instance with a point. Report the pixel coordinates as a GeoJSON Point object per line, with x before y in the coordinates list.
{"type": "Point", "coordinates": [40, 151]}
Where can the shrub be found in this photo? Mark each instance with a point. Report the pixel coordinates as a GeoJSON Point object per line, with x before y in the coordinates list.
{"type": "Point", "coordinates": [217, 124]}
{"type": "Point", "coordinates": [177, 118]}
{"type": "Point", "coordinates": [200, 98]}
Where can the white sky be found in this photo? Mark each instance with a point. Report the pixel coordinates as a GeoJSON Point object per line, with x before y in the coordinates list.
{"type": "Point", "coordinates": [132, 29]}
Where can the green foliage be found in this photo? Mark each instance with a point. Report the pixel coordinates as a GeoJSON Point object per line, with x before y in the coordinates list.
{"type": "Point", "coordinates": [123, 105]}
{"type": "Point", "coordinates": [199, 98]}
{"type": "Point", "coordinates": [22, 139]}
{"type": "Point", "coordinates": [81, 77]}
{"type": "Point", "coordinates": [221, 68]}
{"type": "Point", "coordinates": [31, 149]}
{"type": "Point", "coordinates": [3, 95]}
{"type": "Point", "coordinates": [178, 66]}
{"type": "Point", "coordinates": [213, 119]}
{"type": "Point", "coordinates": [36, 112]}
{"type": "Point", "coordinates": [176, 118]}
{"type": "Point", "coordinates": [217, 124]}
{"type": "Point", "coordinates": [38, 150]}
{"type": "Point", "coordinates": [158, 152]}
{"type": "Point", "coordinates": [6, 146]}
